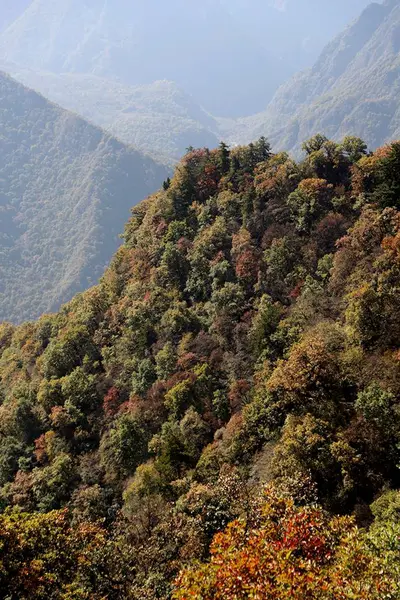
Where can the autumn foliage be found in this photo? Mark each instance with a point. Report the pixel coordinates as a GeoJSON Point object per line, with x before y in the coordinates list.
{"type": "Point", "coordinates": [246, 332]}
{"type": "Point", "coordinates": [287, 552]}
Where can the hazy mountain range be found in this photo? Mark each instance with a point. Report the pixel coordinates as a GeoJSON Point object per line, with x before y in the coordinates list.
{"type": "Point", "coordinates": [230, 56]}
{"type": "Point", "coordinates": [11, 10]}
{"type": "Point", "coordinates": [353, 88]}
{"type": "Point", "coordinates": [141, 42]}
{"type": "Point", "coordinates": [159, 118]}
{"type": "Point", "coordinates": [295, 31]}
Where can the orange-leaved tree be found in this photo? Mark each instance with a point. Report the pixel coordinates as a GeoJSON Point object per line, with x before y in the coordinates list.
{"type": "Point", "coordinates": [286, 551]}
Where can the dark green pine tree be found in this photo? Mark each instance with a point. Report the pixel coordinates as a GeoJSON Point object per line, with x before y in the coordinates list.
{"type": "Point", "coordinates": [263, 149]}
{"type": "Point", "coordinates": [224, 162]}
{"type": "Point", "coordinates": [167, 184]}
{"type": "Point", "coordinates": [388, 191]}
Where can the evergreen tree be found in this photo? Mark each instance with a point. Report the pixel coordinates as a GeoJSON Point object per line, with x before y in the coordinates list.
{"type": "Point", "coordinates": [224, 158]}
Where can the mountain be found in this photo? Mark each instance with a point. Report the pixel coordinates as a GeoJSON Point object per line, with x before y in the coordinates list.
{"type": "Point", "coordinates": [295, 31]}
{"type": "Point", "coordinates": [66, 188]}
{"type": "Point", "coordinates": [353, 88]}
{"type": "Point", "coordinates": [206, 47]}
{"type": "Point", "coordinates": [159, 119]}
{"type": "Point", "coordinates": [218, 418]}
{"type": "Point", "coordinates": [192, 43]}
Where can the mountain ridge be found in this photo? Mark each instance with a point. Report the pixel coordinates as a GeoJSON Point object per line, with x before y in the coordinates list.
{"type": "Point", "coordinates": [352, 88]}
{"type": "Point", "coordinates": [159, 119]}
{"type": "Point", "coordinates": [60, 176]}
{"type": "Point", "coordinates": [112, 41]}
{"type": "Point", "coordinates": [131, 43]}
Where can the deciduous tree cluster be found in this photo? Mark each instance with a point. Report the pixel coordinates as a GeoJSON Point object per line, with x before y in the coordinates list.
{"type": "Point", "coordinates": [247, 332]}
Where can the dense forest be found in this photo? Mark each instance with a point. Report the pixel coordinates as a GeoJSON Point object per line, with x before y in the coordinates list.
{"type": "Point", "coordinates": [219, 417]}
{"type": "Point", "coordinates": [66, 189]}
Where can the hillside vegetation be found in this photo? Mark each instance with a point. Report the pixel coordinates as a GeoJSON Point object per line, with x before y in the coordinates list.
{"type": "Point", "coordinates": [246, 333]}
{"type": "Point", "coordinates": [66, 189]}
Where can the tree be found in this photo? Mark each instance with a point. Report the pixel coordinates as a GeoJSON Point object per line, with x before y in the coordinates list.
{"type": "Point", "coordinates": [52, 485]}
{"type": "Point", "coordinates": [310, 378]}
{"type": "Point", "coordinates": [315, 143]}
{"type": "Point", "coordinates": [123, 448]}
{"type": "Point", "coordinates": [224, 158]}
{"type": "Point", "coordinates": [354, 147]}
{"type": "Point", "coordinates": [310, 202]}
{"type": "Point", "coordinates": [67, 352]}
{"type": "Point", "coordinates": [387, 191]}
{"type": "Point", "coordinates": [287, 552]}
{"type": "Point", "coordinates": [264, 324]}
{"type": "Point", "coordinates": [263, 149]}
{"type": "Point", "coordinates": [42, 556]}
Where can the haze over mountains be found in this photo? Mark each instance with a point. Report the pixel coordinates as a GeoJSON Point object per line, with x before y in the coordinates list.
{"type": "Point", "coordinates": [141, 42]}
{"type": "Point", "coordinates": [353, 88]}
{"type": "Point", "coordinates": [11, 10]}
{"type": "Point", "coordinates": [66, 189]}
{"type": "Point", "coordinates": [159, 118]}
{"type": "Point", "coordinates": [144, 71]}
{"type": "Point", "coordinates": [295, 31]}
{"type": "Point", "coordinates": [230, 56]}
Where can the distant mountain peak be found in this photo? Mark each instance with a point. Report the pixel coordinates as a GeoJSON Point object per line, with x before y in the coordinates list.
{"type": "Point", "coordinates": [353, 88]}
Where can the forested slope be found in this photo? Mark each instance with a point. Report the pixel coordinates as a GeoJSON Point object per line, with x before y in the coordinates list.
{"type": "Point", "coordinates": [159, 119]}
{"type": "Point", "coordinates": [66, 188]}
{"type": "Point", "coordinates": [247, 332]}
